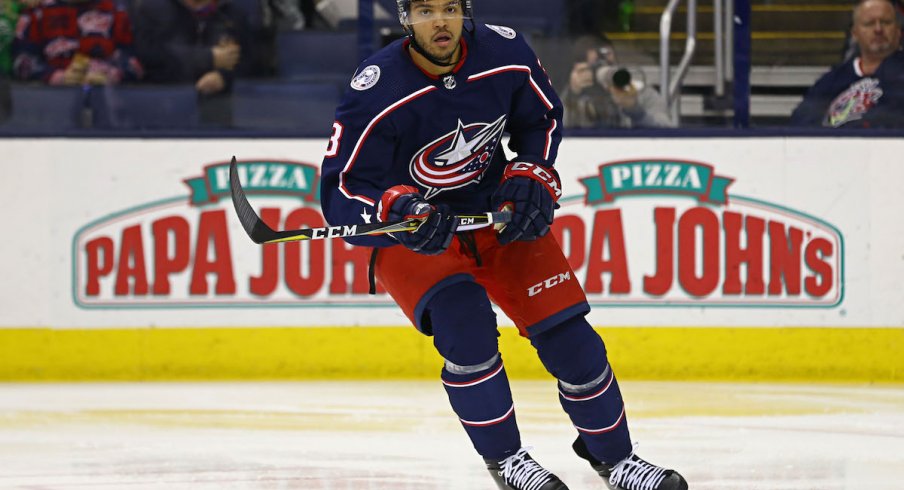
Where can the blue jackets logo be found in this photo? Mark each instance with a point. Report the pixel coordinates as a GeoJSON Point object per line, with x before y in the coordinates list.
{"type": "Point", "coordinates": [457, 158]}
{"type": "Point", "coordinates": [853, 103]}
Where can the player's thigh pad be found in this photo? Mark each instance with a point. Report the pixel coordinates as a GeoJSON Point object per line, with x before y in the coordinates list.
{"type": "Point", "coordinates": [463, 323]}
{"type": "Point", "coordinates": [413, 279]}
{"type": "Point", "coordinates": [572, 351]}
{"type": "Point", "coordinates": [531, 282]}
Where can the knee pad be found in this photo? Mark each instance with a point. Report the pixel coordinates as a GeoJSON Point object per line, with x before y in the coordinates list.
{"type": "Point", "coordinates": [463, 324]}
{"type": "Point", "coordinates": [572, 352]}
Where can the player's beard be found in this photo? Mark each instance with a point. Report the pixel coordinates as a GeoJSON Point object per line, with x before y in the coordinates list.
{"type": "Point", "coordinates": [445, 54]}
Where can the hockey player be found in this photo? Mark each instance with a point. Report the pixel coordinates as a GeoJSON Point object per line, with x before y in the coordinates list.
{"type": "Point", "coordinates": [418, 135]}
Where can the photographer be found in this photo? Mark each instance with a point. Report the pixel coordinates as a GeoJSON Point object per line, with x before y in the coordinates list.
{"type": "Point", "coordinates": [601, 94]}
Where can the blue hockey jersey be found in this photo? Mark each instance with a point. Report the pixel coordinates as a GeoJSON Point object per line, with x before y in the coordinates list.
{"type": "Point", "coordinates": [397, 124]}
{"type": "Point", "coordinates": [845, 97]}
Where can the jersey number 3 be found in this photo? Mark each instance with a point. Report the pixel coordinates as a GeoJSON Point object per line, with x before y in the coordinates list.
{"type": "Point", "coordinates": [333, 148]}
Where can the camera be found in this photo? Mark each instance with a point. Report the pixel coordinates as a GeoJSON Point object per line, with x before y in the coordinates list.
{"type": "Point", "coordinates": [605, 70]}
{"type": "Point", "coordinates": [611, 76]}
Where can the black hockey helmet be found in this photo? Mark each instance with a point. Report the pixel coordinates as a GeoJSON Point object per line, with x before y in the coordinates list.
{"type": "Point", "coordinates": [404, 7]}
{"type": "Point", "coordinates": [406, 19]}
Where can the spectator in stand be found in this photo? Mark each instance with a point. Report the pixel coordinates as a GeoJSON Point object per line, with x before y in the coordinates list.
{"type": "Point", "coordinates": [851, 49]}
{"type": "Point", "coordinates": [601, 94]}
{"type": "Point", "coordinates": [75, 42]}
{"type": "Point", "coordinates": [283, 15]}
{"type": "Point", "coordinates": [205, 42]}
{"type": "Point", "coordinates": [309, 10]}
{"type": "Point", "coordinates": [867, 91]}
{"type": "Point", "coordinates": [276, 16]}
{"type": "Point", "coordinates": [9, 16]}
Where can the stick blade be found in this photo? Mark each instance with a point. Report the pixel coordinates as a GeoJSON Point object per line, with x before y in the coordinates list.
{"type": "Point", "coordinates": [254, 226]}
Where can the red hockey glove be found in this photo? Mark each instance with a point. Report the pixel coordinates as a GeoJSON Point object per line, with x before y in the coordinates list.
{"type": "Point", "coordinates": [531, 191]}
{"type": "Point", "coordinates": [437, 229]}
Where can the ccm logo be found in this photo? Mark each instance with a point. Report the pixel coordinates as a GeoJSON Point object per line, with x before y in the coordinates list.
{"type": "Point", "coordinates": [334, 231]}
{"type": "Point", "coordinates": [549, 283]}
{"type": "Point", "coordinates": [540, 174]}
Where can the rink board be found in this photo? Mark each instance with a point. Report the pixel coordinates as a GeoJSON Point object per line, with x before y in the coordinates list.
{"type": "Point", "coordinates": [675, 353]}
{"type": "Point", "coordinates": [703, 258]}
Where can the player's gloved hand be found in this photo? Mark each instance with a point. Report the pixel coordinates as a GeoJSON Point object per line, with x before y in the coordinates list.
{"type": "Point", "coordinates": [531, 192]}
{"type": "Point", "coordinates": [435, 233]}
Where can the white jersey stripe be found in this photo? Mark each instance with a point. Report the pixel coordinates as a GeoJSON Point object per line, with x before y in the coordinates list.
{"type": "Point", "coordinates": [373, 122]}
{"type": "Point", "coordinates": [502, 69]}
{"type": "Point", "coordinates": [604, 429]}
{"type": "Point", "coordinates": [552, 129]}
{"type": "Point", "coordinates": [858, 67]}
{"type": "Point", "coordinates": [484, 423]}
{"type": "Point", "coordinates": [543, 98]}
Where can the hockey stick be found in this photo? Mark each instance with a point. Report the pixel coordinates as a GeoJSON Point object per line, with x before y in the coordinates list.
{"type": "Point", "coordinates": [261, 233]}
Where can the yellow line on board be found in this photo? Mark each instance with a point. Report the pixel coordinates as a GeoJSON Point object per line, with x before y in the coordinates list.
{"type": "Point", "coordinates": [692, 353]}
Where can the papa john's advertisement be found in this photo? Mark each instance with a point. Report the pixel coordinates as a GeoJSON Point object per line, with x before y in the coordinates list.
{"type": "Point", "coordinates": [686, 232]}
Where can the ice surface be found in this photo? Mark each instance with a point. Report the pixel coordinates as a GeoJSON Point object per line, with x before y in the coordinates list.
{"type": "Point", "coordinates": [403, 435]}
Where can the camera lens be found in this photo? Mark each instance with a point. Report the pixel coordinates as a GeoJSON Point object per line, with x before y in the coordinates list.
{"type": "Point", "coordinates": [621, 78]}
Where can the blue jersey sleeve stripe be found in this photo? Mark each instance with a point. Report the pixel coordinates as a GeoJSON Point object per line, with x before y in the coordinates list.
{"type": "Point", "coordinates": [503, 69]}
{"type": "Point", "coordinates": [540, 94]}
{"type": "Point", "coordinates": [351, 161]}
{"type": "Point", "coordinates": [548, 146]}
{"type": "Point", "coordinates": [498, 70]}
{"type": "Point", "coordinates": [537, 90]}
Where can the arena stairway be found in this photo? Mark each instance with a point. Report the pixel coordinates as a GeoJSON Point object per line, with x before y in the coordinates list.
{"type": "Point", "coordinates": [793, 43]}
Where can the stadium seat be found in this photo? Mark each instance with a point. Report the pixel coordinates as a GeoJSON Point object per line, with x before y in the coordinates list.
{"type": "Point", "coordinates": [145, 107]}
{"type": "Point", "coordinates": [303, 108]}
{"type": "Point", "coordinates": [38, 107]}
{"type": "Point", "coordinates": [317, 55]}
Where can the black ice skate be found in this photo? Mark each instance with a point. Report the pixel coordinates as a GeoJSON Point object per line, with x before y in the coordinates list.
{"type": "Point", "coordinates": [520, 472]}
{"type": "Point", "coordinates": [632, 473]}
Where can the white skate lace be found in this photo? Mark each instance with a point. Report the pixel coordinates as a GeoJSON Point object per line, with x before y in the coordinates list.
{"type": "Point", "coordinates": [523, 472]}
{"type": "Point", "coordinates": [633, 473]}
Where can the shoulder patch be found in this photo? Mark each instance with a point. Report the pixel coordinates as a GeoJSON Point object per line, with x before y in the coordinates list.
{"type": "Point", "coordinates": [506, 32]}
{"type": "Point", "coordinates": [367, 78]}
